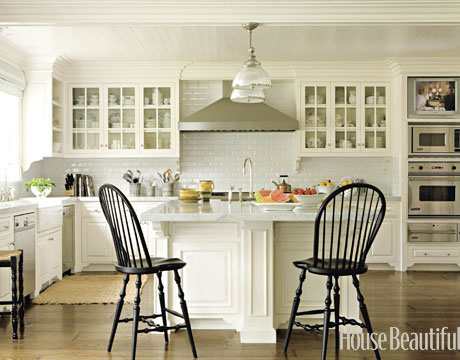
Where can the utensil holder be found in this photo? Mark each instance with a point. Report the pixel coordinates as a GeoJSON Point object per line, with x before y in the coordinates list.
{"type": "Point", "coordinates": [135, 189]}
{"type": "Point", "coordinates": [151, 190]}
{"type": "Point", "coordinates": [168, 189]}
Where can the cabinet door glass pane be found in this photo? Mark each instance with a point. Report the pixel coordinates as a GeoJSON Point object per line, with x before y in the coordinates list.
{"type": "Point", "coordinates": [381, 117]}
{"type": "Point", "coordinates": [78, 119]}
{"type": "Point", "coordinates": [92, 119]}
{"type": "Point", "coordinates": [150, 140]}
{"type": "Point", "coordinates": [78, 96]}
{"type": "Point", "coordinates": [369, 95]}
{"type": "Point", "coordinates": [351, 140]}
{"type": "Point", "coordinates": [114, 140]}
{"type": "Point", "coordinates": [164, 140]}
{"type": "Point", "coordinates": [164, 96]}
{"type": "Point", "coordinates": [129, 98]}
{"type": "Point", "coordinates": [129, 140]}
{"type": "Point", "coordinates": [78, 141]}
{"type": "Point", "coordinates": [92, 97]}
{"type": "Point", "coordinates": [380, 140]}
{"type": "Point", "coordinates": [93, 141]}
{"type": "Point", "coordinates": [351, 95]}
{"type": "Point", "coordinates": [114, 119]}
{"type": "Point", "coordinates": [164, 118]}
{"type": "Point", "coordinates": [351, 117]}
{"type": "Point", "coordinates": [381, 95]}
{"type": "Point", "coordinates": [150, 118]}
{"type": "Point", "coordinates": [128, 118]}
{"type": "Point", "coordinates": [114, 97]}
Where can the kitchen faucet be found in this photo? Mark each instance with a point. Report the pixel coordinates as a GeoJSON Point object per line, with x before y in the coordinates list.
{"type": "Point", "coordinates": [251, 177]}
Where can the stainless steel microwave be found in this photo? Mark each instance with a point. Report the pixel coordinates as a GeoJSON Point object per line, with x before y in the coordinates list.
{"type": "Point", "coordinates": [435, 139]}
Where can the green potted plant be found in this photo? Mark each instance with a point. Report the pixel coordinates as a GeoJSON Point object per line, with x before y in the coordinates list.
{"type": "Point", "coordinates": [40, 187]}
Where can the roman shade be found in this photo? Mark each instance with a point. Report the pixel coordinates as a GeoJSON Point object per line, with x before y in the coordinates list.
{"type": "Point", "coordinates": [12, 80]}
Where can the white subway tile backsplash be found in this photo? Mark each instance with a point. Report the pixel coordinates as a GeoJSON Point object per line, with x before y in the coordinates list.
{"type": "Point", "coordinates": [220, 156]}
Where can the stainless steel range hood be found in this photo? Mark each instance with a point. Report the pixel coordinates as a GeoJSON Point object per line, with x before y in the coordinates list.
{"type": "Point", "coordinates": [226, 115]}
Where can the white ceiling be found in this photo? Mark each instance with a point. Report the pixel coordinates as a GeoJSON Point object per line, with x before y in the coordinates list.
{"type": "Point", "coordinates": [229, 43]}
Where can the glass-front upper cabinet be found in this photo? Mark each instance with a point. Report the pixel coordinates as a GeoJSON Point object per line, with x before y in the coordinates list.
{"type": "Point", "coordinates": [315, 117]}
{"type": "Point", "coordinates": [86, 127]}
{"type": "Point", "coordinates": [121, 118]}
{"type": "Point", "coordinates": [157, 124]}
{"type": "Point", "coordinates": [345, 117]}
{"type": "Point", "coordinates": [376, 122]}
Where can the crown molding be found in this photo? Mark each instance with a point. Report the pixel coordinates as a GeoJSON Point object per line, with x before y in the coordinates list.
{"type": "Point", "coordinates": [193, 12]}
{"type": "Point", "coordinates": [434, 66]}
{"type": "Point", "coordinates": [11, 54]}
{"type": "Point", "coordinates": [123, 71]}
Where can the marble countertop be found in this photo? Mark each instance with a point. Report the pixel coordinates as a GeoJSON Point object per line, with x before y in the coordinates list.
{"type": "Point", "coordinates": [29, 204]}
{"type": "Point", "coordinates": [221, 211]}
{"type": "Point", "coordinates": [134, 198]}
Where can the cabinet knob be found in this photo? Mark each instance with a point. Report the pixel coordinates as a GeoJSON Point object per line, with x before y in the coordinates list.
{"type": "Point", "coordinates": [102, 145]}
{"type": "Point", "coordinates": [6, 227]}
{"type": "Point", "coordinates": [142, 145]}
{"type": "Point", "coordinates": [105, 145]}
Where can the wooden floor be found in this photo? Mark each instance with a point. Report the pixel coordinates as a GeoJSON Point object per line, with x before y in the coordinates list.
{"type": "Point", "coordinates": [414, 302]}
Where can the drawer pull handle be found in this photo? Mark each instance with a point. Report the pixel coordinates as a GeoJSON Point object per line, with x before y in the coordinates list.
{"type": "Point", "coordinates": [51, 239]}
{"type": "Point", "coordinates": [6, 227]}
{"type": "Point", "coordinates": [96, 210]}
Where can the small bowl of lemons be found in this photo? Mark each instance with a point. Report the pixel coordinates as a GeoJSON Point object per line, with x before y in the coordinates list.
{"type": "Point", "coordinates": [325, 187]}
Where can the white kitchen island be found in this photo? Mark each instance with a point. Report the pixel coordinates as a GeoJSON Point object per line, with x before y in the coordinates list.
{"type": "Point", "coordinates": [239, 272]}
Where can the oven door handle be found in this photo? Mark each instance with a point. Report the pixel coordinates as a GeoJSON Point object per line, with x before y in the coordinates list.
{"type": "Point", "coordinates": [433, 232]}
{"type": "Point", "coordinates": [431, 178]}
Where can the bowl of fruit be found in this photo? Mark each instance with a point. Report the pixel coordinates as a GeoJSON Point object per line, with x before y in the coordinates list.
{"type": "Point", "coordinates": [325, 187]}
{"type": "Point", "coordinates": [308, 197]}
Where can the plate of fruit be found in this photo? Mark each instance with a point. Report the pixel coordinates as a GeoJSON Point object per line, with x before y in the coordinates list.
{"type": "Point", "coordinates": [275, 200]}
{"type": "Point", "coordinates": [308, 197]}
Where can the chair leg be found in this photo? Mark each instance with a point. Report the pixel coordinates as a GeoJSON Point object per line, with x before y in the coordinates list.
{"type": "Point", "coordinates": [295, 307]}
{"type": "Point", "coordinates": [364, 312]}
{"type": "Point", "coordinates": [136, 312]}
{"type": "Point", "coordinates": [161, 295]}
{"type": "Point", "coordinates": [21, 292]}
{"type": "Point", "coordinates": [14, 297]}
{"type": "Point", "coordinates": [337, 311]}
{"type": "Point", "coordinates": [183, 305]}
{"type": "Point", "coordinates": [118, 312]}
{"type": "Point", "coordinates": [327, 317]}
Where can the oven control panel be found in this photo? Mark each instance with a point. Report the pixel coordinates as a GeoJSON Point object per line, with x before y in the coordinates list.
{"type": "Point", "coordinates": [434, 168]}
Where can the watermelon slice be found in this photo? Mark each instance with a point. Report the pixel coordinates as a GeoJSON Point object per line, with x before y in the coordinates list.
{"type": "Point", "coordinates": [279, 196]}
{"type": "Point", "coordinates": [265, 192]}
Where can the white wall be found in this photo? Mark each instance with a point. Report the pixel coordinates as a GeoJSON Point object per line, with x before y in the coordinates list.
{"type": "Point", "coordinates": [220, 156]}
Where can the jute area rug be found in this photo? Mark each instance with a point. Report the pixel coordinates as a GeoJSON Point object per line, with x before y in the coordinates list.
{"type": "Point", "coordinates": [89, 289]}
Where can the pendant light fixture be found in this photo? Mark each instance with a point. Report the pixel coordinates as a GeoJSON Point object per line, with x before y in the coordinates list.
{"type": "Point", "coordinates": [247, 96]}
{"type": "Point", "coordinates": [251, 76]}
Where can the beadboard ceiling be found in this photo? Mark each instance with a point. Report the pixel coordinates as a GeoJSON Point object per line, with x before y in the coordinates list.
{"type": "Point", "coordinates": [229, 43]}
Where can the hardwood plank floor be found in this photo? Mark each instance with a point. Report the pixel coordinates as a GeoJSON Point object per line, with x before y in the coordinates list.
{"type": "Point", "coordinates": [413, 301]}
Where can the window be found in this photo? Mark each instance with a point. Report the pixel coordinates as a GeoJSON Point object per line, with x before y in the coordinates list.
{"type": "Point", "coordinates": [10, 144]}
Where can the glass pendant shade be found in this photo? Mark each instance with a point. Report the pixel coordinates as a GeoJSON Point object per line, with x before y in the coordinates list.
{"type": "Point", "coordinates": [247, 96]}
{"type": "Point", "coordinates": [252, 77]}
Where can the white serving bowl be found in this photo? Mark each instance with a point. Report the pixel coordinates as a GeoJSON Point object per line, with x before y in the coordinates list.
{"type": "Point", "coordinates": [324, 189]}
{"type": "Point", "coordinates": [309, 200]}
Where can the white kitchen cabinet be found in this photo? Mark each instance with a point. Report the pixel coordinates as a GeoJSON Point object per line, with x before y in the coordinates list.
{"type": "Point", "coordinates": [49, 257]}
{"type": "Point", "coordinates": [6, 243]}
{"type": "Point", "coordinates": [85, 117]}
{"type": "Point", "coordinates": [386, 246]}
{"type": "Point", "coordinates": [121, 118]}
{"type": "Point", "coordinates": [124, 119]}
{"type": "Point", "coordinates": [97, 244]}
{"type": "Point", "coordinates": [315, 117]}
{"type": "Point", "coordinates": [375, 119]}
{"type": "Point", "coordinates": [344, 118]}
